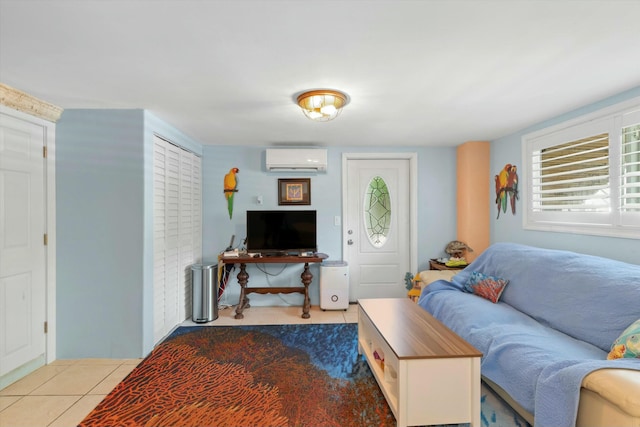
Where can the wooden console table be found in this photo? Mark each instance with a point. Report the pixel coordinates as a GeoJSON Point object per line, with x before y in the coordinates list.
{"type": "Point", "coordinates": [243, 278]}
{"type": "Point", "coordinates": [427, 373]}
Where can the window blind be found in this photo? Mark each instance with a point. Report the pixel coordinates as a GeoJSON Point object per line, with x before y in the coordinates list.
{"type": "Point", "coordinates": [630, 163]}
{"type": "Point", "coordinates": [573, 176]}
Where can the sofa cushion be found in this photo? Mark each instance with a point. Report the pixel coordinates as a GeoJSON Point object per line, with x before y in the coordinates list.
{"type": "Point", "coordinates": [485, 286]}
{"type": "Point", "coordinates": [627, 344]}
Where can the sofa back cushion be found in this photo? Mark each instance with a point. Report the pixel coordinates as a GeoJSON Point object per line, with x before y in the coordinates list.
{"type": "Point", "coordinates": [589, 298]}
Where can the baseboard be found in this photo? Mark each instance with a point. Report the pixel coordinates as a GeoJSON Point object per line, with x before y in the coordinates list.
{"type": "Point", "coordinates": [21, 371]}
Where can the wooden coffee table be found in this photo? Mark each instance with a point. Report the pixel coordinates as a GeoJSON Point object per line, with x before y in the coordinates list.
{"type": "Point", "coordinates": [429, 374]}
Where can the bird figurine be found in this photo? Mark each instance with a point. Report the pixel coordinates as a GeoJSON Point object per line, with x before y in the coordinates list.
{"type": "Point", "coordinates": [512, 187]}
{"type": "Point", "coordinates": [507, 188]}
{"type": "Point", "coordinates": [408, 278]}
{"type": "Point", "coordinates": [456, 249]}
{"type": "Point", "coordinates": [230, 184]}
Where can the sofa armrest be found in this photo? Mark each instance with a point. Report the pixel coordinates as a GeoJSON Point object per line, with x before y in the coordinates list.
{"type": "Point", "coordinates": [429, 276]}
{"type": "Point", "coordinates": [621, 387]}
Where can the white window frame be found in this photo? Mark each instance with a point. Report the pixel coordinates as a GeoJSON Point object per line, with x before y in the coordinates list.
{"type": "Point", "coordinates": [612, 224]}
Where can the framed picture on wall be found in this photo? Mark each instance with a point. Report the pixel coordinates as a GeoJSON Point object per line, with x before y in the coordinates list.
{"type": "Point", "coordinates": [294, 191]}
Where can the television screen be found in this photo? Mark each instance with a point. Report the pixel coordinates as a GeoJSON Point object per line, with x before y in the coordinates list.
{"type": "Point", "coordinates": [281, 232]}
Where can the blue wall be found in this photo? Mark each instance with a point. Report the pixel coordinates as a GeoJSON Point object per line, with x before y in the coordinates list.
{"type": "Point", "coordinates": [436, 208]}
{"type": "Point", "coordinates": [508, 228]}
{"type": "Point", "coordinates": [104, 163]}
{"type": "Point", "coordinates": [105, 222]}
{"type": "Point", "coordinates": [104, 186]}
{"type": "Point", "coordinates": [99, 186]}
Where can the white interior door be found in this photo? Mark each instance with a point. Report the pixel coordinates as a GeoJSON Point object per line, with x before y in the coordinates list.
{"type": "Point", "coordinates": [377, 227]}
{"type": "Point", "coordinates": [22, 250]}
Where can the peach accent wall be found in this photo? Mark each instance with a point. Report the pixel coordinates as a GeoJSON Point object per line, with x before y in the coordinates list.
{"type": "Point", "coordinates": [473, 175]}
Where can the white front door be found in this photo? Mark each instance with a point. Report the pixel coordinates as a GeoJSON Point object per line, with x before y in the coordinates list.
{"type": "Point", "coordinates": [377, 230]}
{"type": "Point", "coordinates": [22, 250]}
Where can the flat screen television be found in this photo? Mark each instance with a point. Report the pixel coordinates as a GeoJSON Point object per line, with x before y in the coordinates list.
{"type": "Point", "coordinates": [281, 232]}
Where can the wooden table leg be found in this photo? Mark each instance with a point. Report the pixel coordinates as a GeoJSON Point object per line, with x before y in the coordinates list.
{"type": "Point", "coordinates": [306, 277]}
{"type": "Point", "coordinates": [243, 301]}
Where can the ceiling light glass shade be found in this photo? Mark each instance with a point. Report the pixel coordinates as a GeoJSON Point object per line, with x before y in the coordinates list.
{"type": "Point", "coordinates": [322, 105]}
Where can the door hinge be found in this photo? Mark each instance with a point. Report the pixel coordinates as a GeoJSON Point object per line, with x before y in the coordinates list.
{"type": "Point", "coordinates": [44, 151]}
{"type": "Point", "coordinates": [46, 327]}
{"type": "Point", "coordinates": [46, 239]}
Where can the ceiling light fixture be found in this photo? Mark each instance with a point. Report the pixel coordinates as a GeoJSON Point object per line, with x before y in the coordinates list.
{"type": "Point", "coordinates": [322, 105]}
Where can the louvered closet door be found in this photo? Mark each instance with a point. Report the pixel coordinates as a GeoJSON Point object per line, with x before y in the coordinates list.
{"type": "Point", "coordinates": [177, 219]}
{"type": "Point", "coordinates": [196, 227]}
{"type": "Point", "coordinates": [159, 234]}
{"type": "Point", "coordinates": [197, 208]}
{"type": "Point", "coordinates": [166, 261]}
{"type": "Point", "coordinates": [190, 238]}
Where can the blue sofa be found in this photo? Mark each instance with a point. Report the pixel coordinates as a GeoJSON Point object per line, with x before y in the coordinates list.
{"type": "Point", "coordinates": [545, 342]}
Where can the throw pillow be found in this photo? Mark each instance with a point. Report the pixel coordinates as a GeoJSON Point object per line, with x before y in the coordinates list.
{"type": "Point", "coordinates": [627, 344]}
{"type": "Point", "coordinates": [488, 287]}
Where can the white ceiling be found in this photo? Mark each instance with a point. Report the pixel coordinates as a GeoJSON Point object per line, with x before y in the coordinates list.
{"type": "Point", "coordinates": [418, 72]}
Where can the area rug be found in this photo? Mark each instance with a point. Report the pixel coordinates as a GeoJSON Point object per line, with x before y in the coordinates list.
{"type": "Point", "coordinates": [283, 375]}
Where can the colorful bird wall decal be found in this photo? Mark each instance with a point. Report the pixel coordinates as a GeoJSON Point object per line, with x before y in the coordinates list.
{"type": "Point", "coordinates": [230, 184]}
{"type": "Point", "coordinates": [507, 188]}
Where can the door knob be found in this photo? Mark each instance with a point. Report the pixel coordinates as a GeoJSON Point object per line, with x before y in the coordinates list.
{"type": "Point", "coordinates": [349, 242]}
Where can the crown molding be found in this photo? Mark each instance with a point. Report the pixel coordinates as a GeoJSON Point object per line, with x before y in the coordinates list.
{"type": "Point", "coordinates": [18, 100]}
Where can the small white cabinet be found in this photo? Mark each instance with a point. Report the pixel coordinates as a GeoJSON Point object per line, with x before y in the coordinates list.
{"type": "Point", "coordinates": [334, 285]}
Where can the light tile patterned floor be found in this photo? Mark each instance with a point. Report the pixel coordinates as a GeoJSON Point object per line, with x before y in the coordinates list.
{"type": "Point", "coordinates": [63, 393]}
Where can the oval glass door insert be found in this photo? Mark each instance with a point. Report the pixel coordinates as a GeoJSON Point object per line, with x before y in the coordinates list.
{"type": "Point", "coordinates": [377, 211]}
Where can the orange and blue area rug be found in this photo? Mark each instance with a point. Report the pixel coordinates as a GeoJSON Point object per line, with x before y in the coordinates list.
{"type": "Point", "coordinates": [259, 376]}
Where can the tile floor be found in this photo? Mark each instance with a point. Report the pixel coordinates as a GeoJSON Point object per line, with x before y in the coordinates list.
{"type": "Point", "coordinates": [62, 393]}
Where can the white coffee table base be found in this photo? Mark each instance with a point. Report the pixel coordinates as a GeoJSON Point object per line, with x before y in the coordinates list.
{"type": "Point", "coordinates": [429, 374]}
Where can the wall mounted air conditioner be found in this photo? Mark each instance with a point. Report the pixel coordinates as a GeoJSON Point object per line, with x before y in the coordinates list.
{"type": "Point", "coordinates": [296, 159]}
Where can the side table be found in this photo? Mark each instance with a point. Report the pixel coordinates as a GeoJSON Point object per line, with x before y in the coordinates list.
{"type": "Point", "coordinates": [435, 265]}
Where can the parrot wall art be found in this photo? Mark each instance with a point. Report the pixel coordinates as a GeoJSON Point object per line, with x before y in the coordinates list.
{"type": "Point", "coordinates": [230, 184]}
{"type": "Point", "coordinates": [507, 188]}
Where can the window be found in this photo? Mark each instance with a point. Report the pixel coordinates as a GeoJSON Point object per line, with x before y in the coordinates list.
{"type": "Point", "coordinates": [377, 211]}
{"type": "Point", "coordinates": [583, 176]}
{"type": "Point", "coordinates": [630, 171]}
